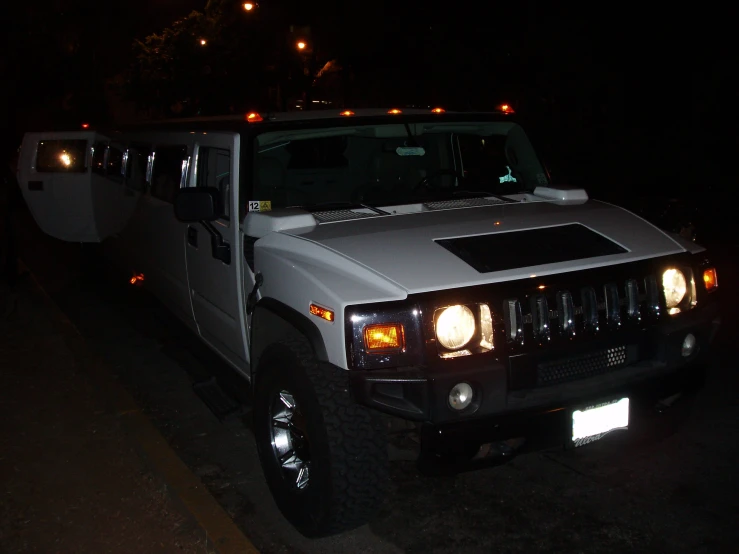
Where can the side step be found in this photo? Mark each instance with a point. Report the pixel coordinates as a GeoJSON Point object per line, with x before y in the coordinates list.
{"type": "Point", "coordinates": [218, 401]}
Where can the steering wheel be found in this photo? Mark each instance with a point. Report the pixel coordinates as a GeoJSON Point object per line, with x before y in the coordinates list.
{"type": "Point", "coordinates": [425, 181]}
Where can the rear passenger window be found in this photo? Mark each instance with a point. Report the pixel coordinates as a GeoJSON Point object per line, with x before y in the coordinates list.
{"type": "Point", "coordinates": [138, 157]}
{"type": "Point", "coordinates": [167, 171]}
{"type": "Point", "coordinates": [115, 163]}
{"type": "Point", "coordinates": [214, 170]}
{"type": "Point", "coordinates": [63, 156]}
{"type": "Point", "coordinates": [98, 158]}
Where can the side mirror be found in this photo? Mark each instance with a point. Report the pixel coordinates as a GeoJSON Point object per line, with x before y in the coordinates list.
{"type": "Point", "coordinates": [197, 204]}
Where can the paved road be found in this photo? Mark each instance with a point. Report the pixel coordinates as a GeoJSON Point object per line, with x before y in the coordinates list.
{"type": "Point", "coordinates": [678, 494]}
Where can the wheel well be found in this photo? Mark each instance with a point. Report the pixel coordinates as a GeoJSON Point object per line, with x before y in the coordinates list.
{"type": "Point", "coordinates": [272, 322]}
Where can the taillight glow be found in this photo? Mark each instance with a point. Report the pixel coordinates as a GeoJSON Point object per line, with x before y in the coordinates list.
{"type": "Point", "coordinates": [506, 108]}
{"type": "Point", "coordinates": [253, 117]}
{"type": "Point", "coordinates": [438, 110]}
{"type": "Point", "coordinates": [347, 113]}
{"type": "Point", "coordinates": [394, 111]}
{"type": "Point", "coordinates": [85, 125]}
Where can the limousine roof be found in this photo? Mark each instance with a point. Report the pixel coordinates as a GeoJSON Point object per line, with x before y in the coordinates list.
{"type": "Point", "coordinates": [254, 120]}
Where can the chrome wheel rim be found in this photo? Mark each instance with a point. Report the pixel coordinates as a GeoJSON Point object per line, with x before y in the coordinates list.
{"type": "Point", "coordinates": [289, 440]}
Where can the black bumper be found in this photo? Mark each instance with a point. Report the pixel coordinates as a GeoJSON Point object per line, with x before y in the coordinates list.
{"type": "Point", "coordinates": [541, 414]}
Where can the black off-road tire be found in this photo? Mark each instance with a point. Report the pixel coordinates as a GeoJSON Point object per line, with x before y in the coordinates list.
{"type": "Point", "coordinates": [348, 445]}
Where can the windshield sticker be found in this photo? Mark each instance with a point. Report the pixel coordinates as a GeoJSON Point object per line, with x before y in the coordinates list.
{"type": "Point", "coordinates": [410, 151]}
{"type": "Point", "coordinates": [260, 205]}
{"type": "Point", "coordinates": [508, 178]}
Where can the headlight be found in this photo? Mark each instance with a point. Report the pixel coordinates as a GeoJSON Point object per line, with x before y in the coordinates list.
{"type": "Point", "coordinates": [455, 327]}
{"type": "Point", "coordinates": [676, 286]}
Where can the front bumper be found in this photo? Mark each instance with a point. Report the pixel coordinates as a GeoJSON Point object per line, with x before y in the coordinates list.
{"type": "Point", "coordinates": [542, 414]}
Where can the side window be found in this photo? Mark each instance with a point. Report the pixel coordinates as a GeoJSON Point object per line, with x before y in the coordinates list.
{"type": "Point", "coordinates": [138, 156]}
{"type": "Point", "coordinates": [61, 156]}
{"type": "Point", "coordinates": [214, 170]}
{"type": "Point", "coordinates": [98, 158]}
{"type": "Point", "coordinates": [167, 171]}
{"type": "Point", "coordinates": [115, 163]}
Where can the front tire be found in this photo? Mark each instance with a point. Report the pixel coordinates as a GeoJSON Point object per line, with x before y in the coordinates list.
{"type": "Point", "coordinates": [324, 456]}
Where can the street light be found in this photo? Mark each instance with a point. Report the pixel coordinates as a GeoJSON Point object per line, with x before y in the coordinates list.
{"type": "Point", "coordinates": [203, 42]}
{"type": "Point", "coordinates": [301, 45]}
{"type": "Point", "coordinates": [249, 6]}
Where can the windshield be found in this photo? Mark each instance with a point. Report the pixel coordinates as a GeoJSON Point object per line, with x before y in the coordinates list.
{"type": "Point", "coordinates": [394, 163]}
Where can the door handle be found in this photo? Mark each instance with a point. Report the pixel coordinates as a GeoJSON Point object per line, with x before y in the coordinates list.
{"type": "Point", "coordinates": [192, 236]}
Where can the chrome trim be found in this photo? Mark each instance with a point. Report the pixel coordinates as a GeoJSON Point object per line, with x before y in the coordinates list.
{"type": "Point", "coordinates": [184, 172]}
{"type": "Point", "coordinates": [591, 322]}
{"type": "Point", "coordinates": [566, 314]}
{"type": "Point", "coordinates": [513, 321]}
{"type": "Point", "coordinates": [540, 317]}
{"type": "Point", "coordinates": [632, 300]}
{"type": "Point", "coordinates": [613, 304]}
{"type": "Point", "coordinates": [149, 167]}
{"type": "Point", "coordinates": [653, 296]}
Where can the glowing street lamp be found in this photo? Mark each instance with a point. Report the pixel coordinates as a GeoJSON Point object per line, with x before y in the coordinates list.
{"type": "Point", "coordinates": [249, 6]}
{"type": "Point", "coordinates": [203, 42]}
{"type": "Point", "coordinates": [301, 45]}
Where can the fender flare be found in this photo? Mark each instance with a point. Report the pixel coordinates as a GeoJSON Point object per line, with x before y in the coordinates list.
{"type": "Point", "coordinates": [272, 321]}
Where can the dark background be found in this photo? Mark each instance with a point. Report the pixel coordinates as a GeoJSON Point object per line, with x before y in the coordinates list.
{"type": "Point", "coordinates": [626, 100]}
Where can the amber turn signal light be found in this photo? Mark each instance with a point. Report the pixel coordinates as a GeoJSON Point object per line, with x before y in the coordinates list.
{"type": "Point", "coordinates": [386, 336]}
{"type": "Point", "coordinates": [710, 279]}
{"type": "Point", "coordinates": [323, 313]}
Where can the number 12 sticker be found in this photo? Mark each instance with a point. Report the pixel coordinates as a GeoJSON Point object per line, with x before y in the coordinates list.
{"type": "Point", "coordinates": [260, 205]}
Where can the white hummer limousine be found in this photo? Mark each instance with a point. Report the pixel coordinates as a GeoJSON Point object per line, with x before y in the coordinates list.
{"type": "Point", "coordinates": [360, 269]}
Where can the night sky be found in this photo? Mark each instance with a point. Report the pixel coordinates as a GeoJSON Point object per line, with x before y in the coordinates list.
{"type": "Point", "coordinates": [619, 94]}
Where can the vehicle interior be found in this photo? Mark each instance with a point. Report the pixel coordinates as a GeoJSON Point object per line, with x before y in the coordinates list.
{"type": "Point", "coordinates": [392, 164]}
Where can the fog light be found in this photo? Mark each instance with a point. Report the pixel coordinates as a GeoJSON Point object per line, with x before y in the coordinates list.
{"type": "Point", "coordinates": [460, 396]}
{"type": "Point", "coordinates": [688, 345]}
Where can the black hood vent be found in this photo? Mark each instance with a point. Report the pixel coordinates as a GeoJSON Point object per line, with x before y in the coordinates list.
{"type": "Point", "coordinates": [517, 249]}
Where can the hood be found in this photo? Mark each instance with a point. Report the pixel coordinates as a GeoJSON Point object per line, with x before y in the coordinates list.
{"type": "Point", "coordinates": [436, 250]}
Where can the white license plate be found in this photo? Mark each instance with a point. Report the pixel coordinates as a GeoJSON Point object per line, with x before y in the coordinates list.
{"type": "Point", "coordinates": [591, 424]}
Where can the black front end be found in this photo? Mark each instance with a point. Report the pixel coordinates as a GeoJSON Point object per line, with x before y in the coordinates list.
{"type": "Point", "coordinates": [559, 344]}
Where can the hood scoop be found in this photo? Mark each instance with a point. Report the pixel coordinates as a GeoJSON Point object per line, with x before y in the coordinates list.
{"type": "Point", "coordinates": [542, 246]}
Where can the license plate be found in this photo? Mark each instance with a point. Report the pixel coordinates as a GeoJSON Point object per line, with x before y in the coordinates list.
{"type": "Point", "coordinates": [594, 422]}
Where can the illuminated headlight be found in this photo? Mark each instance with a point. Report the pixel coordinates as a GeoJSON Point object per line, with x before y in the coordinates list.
{"type": "Point", "coordinates": [463, 330]}
{"type": "Point", "coordinates": [676, 286]}
{"type": "Point", "coordinates": [455, 327]}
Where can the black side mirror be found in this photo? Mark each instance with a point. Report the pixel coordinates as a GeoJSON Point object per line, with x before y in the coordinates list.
{"type": "Point", "coordinates": [197, 204]}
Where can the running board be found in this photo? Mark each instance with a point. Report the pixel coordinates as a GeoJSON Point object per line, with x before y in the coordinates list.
{"type": "Point", "coordinates": [218, 401]}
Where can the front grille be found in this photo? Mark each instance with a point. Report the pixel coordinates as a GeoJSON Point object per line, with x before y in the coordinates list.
{"type": "Point", "coordinates": [553, 315]}
{"type": "Point", "coordinates": [581, 366]}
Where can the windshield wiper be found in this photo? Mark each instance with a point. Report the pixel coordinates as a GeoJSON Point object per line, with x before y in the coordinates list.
{"type": "Point", "coordinates": [330, 205]}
